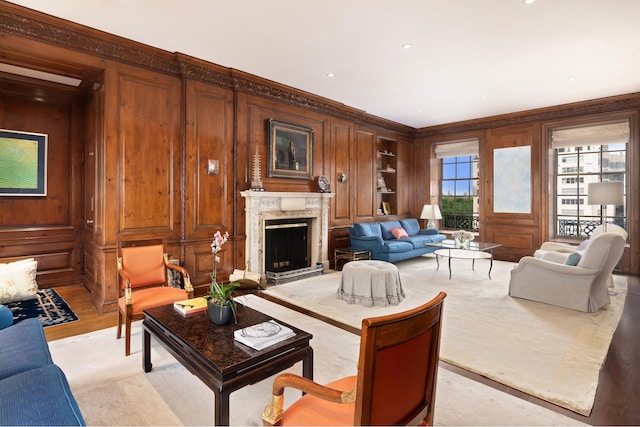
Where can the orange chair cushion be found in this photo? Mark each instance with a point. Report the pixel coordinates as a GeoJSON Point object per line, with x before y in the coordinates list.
{"type": "Point", "coordinates": [152, 297]}
{"type": "Point", "coordinates": [313, 411]}
{"type": "Point", "coordinates": [144, 264]}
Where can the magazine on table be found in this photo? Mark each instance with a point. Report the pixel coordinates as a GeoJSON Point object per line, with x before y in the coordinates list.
{"type": "Point", "coordinates": [191, 306]}
{"type": "Point", "coordinates": [263, 334]}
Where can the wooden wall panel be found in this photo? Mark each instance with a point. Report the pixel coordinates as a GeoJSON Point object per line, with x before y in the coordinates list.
{"type": "Point", "coordinates": [341, 147]}
{"type": "Point", "coordinates": [258, 112]}
{"type": "Point", "coordinates": [365, 197]}
{"type": "Point", "coordinates": [54, 120]}
{"type": "Point", "coordinates": [209, 136]}
{"type": "Point", "coordinates": [406, 184]}
{"type": "Point", "coordinates": [149, 154]}
{"type": "Point", "coordinates": [518, 233]}
{"type": "Point", "coordinates": [209, 199]}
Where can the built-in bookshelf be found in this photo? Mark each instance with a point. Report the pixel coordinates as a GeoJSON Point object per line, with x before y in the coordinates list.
{"type": "Point", "coordinates": [386, 176]}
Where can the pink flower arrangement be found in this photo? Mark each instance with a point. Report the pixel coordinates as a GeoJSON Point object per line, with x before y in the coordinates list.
{"type": "Point", "coordinates": [218, 240]}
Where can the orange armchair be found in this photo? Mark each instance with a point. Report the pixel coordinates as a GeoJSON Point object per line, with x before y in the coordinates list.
{"type": "Point", "coordinates": [142, 267]}
{"type": "Point", "coordinates": [396, 381]}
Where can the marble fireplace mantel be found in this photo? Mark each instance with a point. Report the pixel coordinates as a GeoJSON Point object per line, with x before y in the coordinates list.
{"type": "Point", "coordinates": [261, 206]}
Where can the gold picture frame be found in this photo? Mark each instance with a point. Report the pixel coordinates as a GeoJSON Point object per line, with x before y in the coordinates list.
{"type": "Point", "coordinates": [290, 150]}
{"type": "Point", "coordinates": [386, 208]}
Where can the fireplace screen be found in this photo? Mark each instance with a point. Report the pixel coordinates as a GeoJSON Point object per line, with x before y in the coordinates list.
{"type": "Point", "coordinates": [287, 245]}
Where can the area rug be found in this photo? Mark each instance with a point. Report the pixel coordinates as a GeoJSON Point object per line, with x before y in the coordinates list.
{"type": "Point", "coordinates": [549, 352]}
{"type": "Point", "coordinates": [112, 389]}
{"type": "Point", "coordinates": [49, 307]}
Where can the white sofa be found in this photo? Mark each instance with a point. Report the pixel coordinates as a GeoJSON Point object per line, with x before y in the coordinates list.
{"type": "Point", "coordinates": [582, 287]}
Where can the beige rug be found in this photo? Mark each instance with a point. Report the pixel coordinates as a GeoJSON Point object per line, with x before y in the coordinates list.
{"type": "Point", "coordinates": [549, 352]}
{"type": "Point", "coordinates": [112, 389]}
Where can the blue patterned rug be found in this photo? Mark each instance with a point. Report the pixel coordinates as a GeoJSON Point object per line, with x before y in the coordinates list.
{"type": "Point", "coordinates": [48, 307]}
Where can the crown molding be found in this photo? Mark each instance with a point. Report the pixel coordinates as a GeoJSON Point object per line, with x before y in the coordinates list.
{"type": "Point", "coordinates": [576, 109]}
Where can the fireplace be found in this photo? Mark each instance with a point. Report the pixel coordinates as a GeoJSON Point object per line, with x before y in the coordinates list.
{"type": "Point", "coordinates": [286, 244]}
{"type": "Point", "coordinates": [265, 209]}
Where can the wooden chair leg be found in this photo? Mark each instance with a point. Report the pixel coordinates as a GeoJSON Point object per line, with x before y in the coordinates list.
{"type": "Point", "coordinates": [127, 336]}
{"type": "Point", "coordinates": [119, 331]}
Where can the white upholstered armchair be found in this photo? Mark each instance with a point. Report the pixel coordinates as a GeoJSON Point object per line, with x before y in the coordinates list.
{"type": "Point", "coordinates": [559, 252]}
{"type": "Point", "coordinates": [581, 287]}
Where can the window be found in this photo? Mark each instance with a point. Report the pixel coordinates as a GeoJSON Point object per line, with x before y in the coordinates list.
{"type": "Point", "coordinates": [459, 185]}
{"type": "Point", "coordinates": [582, 155]}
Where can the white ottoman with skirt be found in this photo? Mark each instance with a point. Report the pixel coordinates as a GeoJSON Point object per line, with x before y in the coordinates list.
{"type": "Point", "coordinates": [370, 283]}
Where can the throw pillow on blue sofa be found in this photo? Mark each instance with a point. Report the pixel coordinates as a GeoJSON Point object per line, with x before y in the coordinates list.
{"type": "Point", "coordinates": [367, 229]}
{"type": "Point", "coordinates": [410, 225]}
{"type": "Point", "coordinates": [386, 229]}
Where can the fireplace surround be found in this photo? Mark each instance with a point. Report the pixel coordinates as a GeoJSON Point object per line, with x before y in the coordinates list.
{"type": "Point", "coordinates": [263, 206]}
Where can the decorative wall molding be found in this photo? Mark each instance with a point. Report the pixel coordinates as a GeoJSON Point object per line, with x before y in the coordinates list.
{"type": "Point", "coordinates": [65, 34]}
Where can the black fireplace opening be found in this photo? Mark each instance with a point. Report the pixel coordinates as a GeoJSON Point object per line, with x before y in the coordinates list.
{"type": "Point", "coordinates": [287, 244]}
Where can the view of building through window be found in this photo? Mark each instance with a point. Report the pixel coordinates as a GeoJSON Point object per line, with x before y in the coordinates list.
{"type": "Point", "coordinates": [582, 156]}
{"type": "Point", "coordinates": [459, 189]}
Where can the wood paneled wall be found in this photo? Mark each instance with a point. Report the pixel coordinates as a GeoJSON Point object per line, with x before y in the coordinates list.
{"type": "Point", "coordinates": [130, 146]}
{"type": "Point", "coordinates": [522, 234]}
{"type": "Point", "coordinates": [47, 228]}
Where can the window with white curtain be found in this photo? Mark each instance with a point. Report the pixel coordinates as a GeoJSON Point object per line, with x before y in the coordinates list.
{"type": "Point", "coordinates": [582, 155]}
{"type": "Point", "coordinates": [459, 186]}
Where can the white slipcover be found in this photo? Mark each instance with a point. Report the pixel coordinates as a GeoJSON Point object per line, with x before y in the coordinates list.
{"type": "Point", "coordinates": [583, 287]}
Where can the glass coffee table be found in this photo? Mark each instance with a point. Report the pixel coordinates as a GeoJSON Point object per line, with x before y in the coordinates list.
{"type": "Point", "coordinates": [474, 250]}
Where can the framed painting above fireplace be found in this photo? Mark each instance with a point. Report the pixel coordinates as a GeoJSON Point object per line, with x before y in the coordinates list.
{"type": "Point", "coordinates": [290, 150]}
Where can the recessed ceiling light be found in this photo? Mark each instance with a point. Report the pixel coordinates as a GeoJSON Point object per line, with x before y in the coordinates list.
{"type": "Point", "coordinates": [573, 78]}
{"type": "Point", "coordinates": [330, 75]}
{"type": "Point", "coordinates": [406, 46]}
{"type": "Point", "coordinates": [529, 1]}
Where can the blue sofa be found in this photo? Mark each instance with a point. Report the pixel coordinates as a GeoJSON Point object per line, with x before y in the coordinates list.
{"type": "Point", "coordinates": [379, 239]}
{"type": "Point", "coordinates": [33, 390]}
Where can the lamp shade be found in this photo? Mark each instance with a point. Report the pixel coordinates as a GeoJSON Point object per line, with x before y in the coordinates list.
{"type": "Point", "coordinates": [605, 193]}
{"type": "Point", "coordinates": [430, 212]}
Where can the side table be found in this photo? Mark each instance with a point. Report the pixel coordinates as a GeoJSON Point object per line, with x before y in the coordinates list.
{"type": "Point", "coordinates": [350, 254]}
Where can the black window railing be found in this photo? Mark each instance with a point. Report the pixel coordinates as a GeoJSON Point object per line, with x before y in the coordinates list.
{"type": "Point", "coordinates": [582, 228]}
{"type": "Point", "coordinates": [460, 222]}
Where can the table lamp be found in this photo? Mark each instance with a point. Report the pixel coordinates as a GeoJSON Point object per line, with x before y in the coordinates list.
{"type": "Point", "coordinates": [431, 212]}
{"type": "Point", "coordinates": [603, 194]}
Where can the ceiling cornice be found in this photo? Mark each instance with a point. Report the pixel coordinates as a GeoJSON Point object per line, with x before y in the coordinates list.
{"type": "Point", "coordinates": [584, 108]}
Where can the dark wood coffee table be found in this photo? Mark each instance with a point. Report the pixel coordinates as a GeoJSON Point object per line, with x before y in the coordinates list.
{"type": "Point", "coordinates": [210, 352]}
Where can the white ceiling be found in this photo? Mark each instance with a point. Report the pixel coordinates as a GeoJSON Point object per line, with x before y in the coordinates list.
{"type": "Point", "coordinates": [469, 58]}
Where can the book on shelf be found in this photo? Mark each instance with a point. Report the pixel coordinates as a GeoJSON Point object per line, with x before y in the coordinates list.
{"type": "Point", "coordinates": [191, 306]}
{"type": "Point", "coordinates": [263, 334]}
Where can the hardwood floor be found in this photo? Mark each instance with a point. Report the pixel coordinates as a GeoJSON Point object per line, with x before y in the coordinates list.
{"type": "Point", "coordinates": [618, 388]}
{"type": "Point", "coordinates": [89, 318]}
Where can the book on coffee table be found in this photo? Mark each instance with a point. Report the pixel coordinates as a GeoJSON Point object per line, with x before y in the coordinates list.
{"type": "Point", "coordinates": [191, 306]}
{"type": "Point", "coordinates": [263, 334]}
